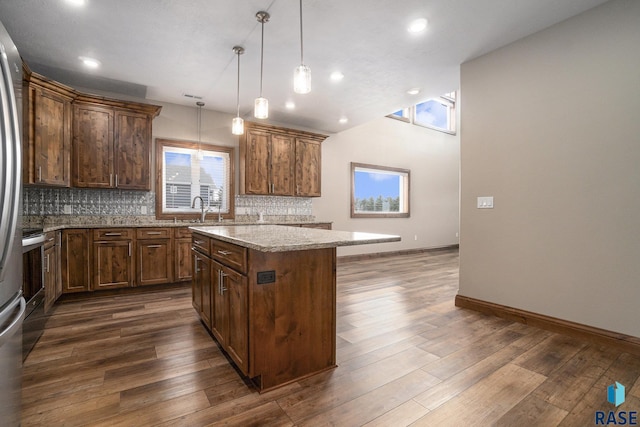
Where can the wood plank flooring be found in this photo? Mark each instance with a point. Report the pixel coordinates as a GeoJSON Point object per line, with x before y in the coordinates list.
{"type": "Point", "coordinates": [406, 355]}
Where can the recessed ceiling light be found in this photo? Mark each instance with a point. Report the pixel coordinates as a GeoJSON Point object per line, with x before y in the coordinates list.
{"type": "Point", "coordinates": [89, 62]}
{"type": "Point", "coordinates": [77, 2]}
{"type": "Point", "coordinates": [336, 76]}
{"type": "Point", "coordinates": [290, 105]}
{"type": "Point", "coordinates": [418, 25]}
{"type": "Point", "coordinates": [343, 120]}
{"type": "Point", "coordinates": [414, 91]}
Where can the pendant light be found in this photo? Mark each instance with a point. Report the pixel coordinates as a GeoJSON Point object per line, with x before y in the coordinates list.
{"type": "Point", "coordinates": [261, 108]}
{"type": "Point", "coordinates": [200, 104]}
{"type": "Point", "coordinates": [302, 73]}
{"type": "Point", "coordinates": [237, 125]}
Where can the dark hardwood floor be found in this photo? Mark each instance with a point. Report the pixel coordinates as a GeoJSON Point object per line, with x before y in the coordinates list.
{"type": "Point", "coordinates": [406, 355]}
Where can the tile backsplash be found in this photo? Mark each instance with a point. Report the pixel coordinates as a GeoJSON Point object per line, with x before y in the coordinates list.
{"type": "Point", "coordinates": [39, 201]}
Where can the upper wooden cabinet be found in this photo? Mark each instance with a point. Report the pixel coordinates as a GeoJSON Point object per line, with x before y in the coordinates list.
{"type": "Point", "coordinates": [79, 140]}
{"type": "Point", "coordinates": [280, 161]}
{"type": "Point", "coordinates": [47, 131]}
{"type": "Point", "coordinates": [112, 143]}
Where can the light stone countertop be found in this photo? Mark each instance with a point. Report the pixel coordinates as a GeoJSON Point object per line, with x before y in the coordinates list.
{"type": "Point", "coordinates": [281, 238]}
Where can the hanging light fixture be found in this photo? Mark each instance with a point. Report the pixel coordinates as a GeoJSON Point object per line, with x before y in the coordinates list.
{"type": "Point", "coordinates": [200, 104]}
{"type": "Point", "coordinates": [237, 125]}
{"type": "Point", "coordinates": [261, 107]}
{"type": "Point", "coordinates": [302, 73]}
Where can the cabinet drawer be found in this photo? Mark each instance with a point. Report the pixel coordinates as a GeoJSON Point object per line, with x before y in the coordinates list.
{"type": "Point", "coordinates": [201, 244]}
{"type": "Point", "coordinates": [113, 234]}
{"type": "Point", "coordinates": [229, 254]}
{"type": "Point", "coordinates": [51, 238]}
{"type": "Point", "coordinates": [153, 233]}
{"type": "Point", "coordinates": [182, 233]}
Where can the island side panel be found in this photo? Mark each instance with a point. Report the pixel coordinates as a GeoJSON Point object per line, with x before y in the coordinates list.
{"type": "Point", "coordinates": [293, 320]}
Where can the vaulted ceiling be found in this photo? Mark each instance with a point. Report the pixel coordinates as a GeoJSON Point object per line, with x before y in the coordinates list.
{"type": "Point", "coordinates": [162, 50]}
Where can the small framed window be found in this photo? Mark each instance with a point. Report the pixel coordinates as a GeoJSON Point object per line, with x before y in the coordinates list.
{"type": "Point", "coordinates": [404, 115]}
{"type": "Point", "coordinates": [187, 171]}
{"type": "Point", "coordinates": [379, 191]}
{"type": "Point", "coordinates": [437, 113]}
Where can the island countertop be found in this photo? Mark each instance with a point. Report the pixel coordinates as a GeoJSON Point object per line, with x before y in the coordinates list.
{"type": "Point", "coordinates": [279, 238]}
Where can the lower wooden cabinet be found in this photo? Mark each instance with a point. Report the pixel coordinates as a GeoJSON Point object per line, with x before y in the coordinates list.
{"type": "Point", "coordinates": [202, 300]}
{"type": "Point", "coordinates": [75, 260]}
{"type": "Point", "coordinates": [52, 266]}
{"type": "Point", "coordinates": [113, 264]}
{"type": "Point", "coordinates": [154, 256]}
{"type": "Point", "coordinates": [182, 254]}
{"type": "Point", "coordinates": [231, 313]}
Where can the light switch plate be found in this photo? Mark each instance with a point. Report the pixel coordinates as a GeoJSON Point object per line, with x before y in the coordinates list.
{"type": "Point", "coordinates": [485, 202]}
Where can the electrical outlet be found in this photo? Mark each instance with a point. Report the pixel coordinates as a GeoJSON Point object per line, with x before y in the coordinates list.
{"type": "Point", "coordinates": [143, 210]}
{"type": "Point", "coordinates": [415, 237]}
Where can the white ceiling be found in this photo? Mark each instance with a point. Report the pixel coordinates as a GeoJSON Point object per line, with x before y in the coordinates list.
{"type": "Point", "coordinates": [163, 49]}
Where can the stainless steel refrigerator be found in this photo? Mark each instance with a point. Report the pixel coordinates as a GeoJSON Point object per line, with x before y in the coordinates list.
{"type": "Point", "coordinates": [12, 303]}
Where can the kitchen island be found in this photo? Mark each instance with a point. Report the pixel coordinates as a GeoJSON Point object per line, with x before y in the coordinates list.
{"type": "Point", "coordinates": [267, 293]}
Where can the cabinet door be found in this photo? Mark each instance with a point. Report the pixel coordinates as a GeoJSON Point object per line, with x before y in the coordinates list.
{"type": "Point", "coordinates": [257, 163]}
{"type": "Point", "coordinates": [202, 278]}
{"type": "Point", "coordinates": [76, 260]}
{"type": "Point", "coordinates": [282, 165]}
{"type": "Point", "coordinates": [154, 262]}
{"type": "Point", "coordinates": [308, 168]}
{"type": "Point", "coordinates": [132, 151]}
{"type": "Point", "coordinates": [51, 138]}
{"type": "Point", "coordinates": [183, 269]}
{"type": "Point", "coordinates": [92, 146]}
{"type": "Point", "coordinates": [113, 267]}
{"type": "Point", "coordinates": [220, 325]}
{"type": "Point", "coordinates": [238, 338]}
{"type": "Point", "coordinates": [50, 277]}
{"type": "Point", "coordinates": [196, 282]}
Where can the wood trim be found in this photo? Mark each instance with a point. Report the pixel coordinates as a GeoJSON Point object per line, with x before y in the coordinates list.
{"type": "Point", "coordinates": [623, 342]}
{"type": "Point", "coordinates": [162, 142]}
{"type": "Point", "coordinates": [284, 131]}
{"type": "Point", "coordinates": [360, 257]}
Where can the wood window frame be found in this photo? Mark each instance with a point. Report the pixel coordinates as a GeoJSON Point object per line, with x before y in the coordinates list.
{"type": "Point", "coordinates": [160, 144]}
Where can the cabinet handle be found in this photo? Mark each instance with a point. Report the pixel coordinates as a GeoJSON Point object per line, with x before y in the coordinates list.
{"type": "Point", "coordinates": [50, 239]}
{"type": "Point", "coordinates": [116, 180]}
{"type": "Point", "coordinates": [110, 180]}
{"type": "Point", "coordinates": [154, 246]}
{"type": "Point", "coordinates": [129, 248]}
{"type": "Point", "coordinates": [221, 287]}
{"type": "Point", "coordinates": [198, 242]}
{"type": "Point", "coordinates": [47, 263]}
{"type": "Point", "coordinates": [113, 234]}
{"type": "Point", "coordinates": [225, 253]}
{"type": "Point", "coordinates": [153, 233]}
{"type": "Point", "coordinates": [40, 173]}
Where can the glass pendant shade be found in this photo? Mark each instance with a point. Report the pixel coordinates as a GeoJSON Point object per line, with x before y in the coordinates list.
{"type": "Point", "coordinates": [261, 110]}
{"type": "Point", "coordinates": [302, 79]}
{"type": "Point", "coordinates": [237, 126]}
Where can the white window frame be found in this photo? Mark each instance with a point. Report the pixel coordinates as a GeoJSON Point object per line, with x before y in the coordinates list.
{"type": "Point", "coordinates": [403, 191]}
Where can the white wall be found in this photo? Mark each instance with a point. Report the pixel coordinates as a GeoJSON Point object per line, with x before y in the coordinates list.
{"type": "Point", "coordinates": [551, 129]}
{"type": "Point", "coordinates": [432, 157]}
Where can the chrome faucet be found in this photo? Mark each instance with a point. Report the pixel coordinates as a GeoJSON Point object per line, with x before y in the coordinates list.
{"type": "Point", "coordinates": [202, 211]}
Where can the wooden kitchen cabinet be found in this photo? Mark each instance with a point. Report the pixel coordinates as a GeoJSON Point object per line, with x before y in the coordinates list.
{"type": "Point", "coordinates": [230, 323]}
{"type": "Point", "coordinates": [182, 255]}
{"type": "Point", "coordinates": [201, 287]}
{"type": "Point", "coordinates": [112, 143]}
{"type": "Point", "coordinates": [47, 115]}
{"type": "Point", "coordinates": [75, 260]}
{"type": "Point", "coordinates": [113, 258]}
{"type": "Point", "coordinates": [52, 277]}
{"type": "Point", "coordinates": [154, 256]}
{"type": "Point", "coordinates": [279, 161]}
{"type": "Point", "coordinates": [308, 168]}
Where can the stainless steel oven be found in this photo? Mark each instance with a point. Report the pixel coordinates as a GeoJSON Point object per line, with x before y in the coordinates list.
{"type": "Point", "coordinates": [33, 288]}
